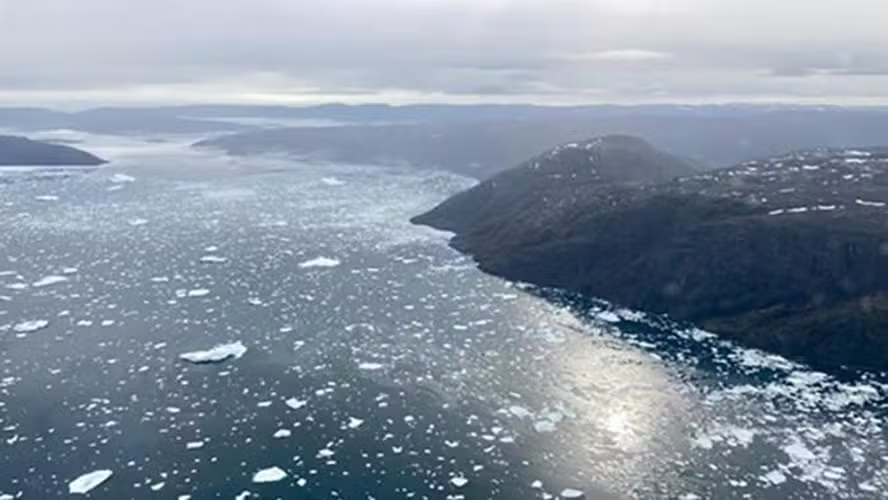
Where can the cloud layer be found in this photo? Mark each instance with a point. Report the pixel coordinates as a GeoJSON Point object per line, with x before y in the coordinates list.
{"type": "Point", "coordinates": [443, 50]}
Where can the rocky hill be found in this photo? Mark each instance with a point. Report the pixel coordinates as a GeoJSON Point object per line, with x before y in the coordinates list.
{"type": "Point", "coordinates": [20, 151]}
{"type": "Point", "coordinates": [788, 254]}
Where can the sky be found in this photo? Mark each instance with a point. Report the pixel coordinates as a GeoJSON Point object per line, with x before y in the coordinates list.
{"type": "Point", "coordinates": [80, 52]}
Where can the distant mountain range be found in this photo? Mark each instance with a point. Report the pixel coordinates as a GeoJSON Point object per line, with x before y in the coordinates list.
{"type": "Point", "coordinates": [788, 254]}
{"type": "Point", "coordinates": [20, 151]}
{"type": "Point", "coordinates": [475, 140]}
{"type": "Point", "coordinates": [480, 147]}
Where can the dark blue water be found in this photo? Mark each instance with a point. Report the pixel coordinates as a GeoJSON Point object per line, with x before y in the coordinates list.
{"type": "Point", "coordinates": [416, 376]}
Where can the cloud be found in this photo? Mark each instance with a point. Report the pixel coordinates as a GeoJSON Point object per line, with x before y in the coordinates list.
{"type": "Point", "coordinates": [487, 50]}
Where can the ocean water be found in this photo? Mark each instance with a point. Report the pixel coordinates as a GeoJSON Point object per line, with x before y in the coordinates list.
{"type": "Point", "coordinates": [371, 360]}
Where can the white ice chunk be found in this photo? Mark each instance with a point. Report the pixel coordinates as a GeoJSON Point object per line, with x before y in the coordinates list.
{"type": "Point", "coordinates": [213, 259]}
{"type": "Point", "coordinates": [295, 404]}
{"type": "Point", "coordinates": [332, 181]}
{"type": "Point", "coordinates": [320, 262]}
{"type": "Point", "coordinates": [121, 178]}
{"type": "Point", "coordinates": [608, 316]}
{"type": "Point", "coordinates": [544, 426]}
{"type": "Point", "coordinates": [369, 366]}
{"type": "Point", "coordinates": [354, 423]}
{"type": "Point", "coordinates": [87, 482]}
{"type": "Point", "coordinates": [199, 292]}
{"type": "Point", "coordinates": [49, 280]}
{"type": "Point", "coordinates": [137, 222]}
{"type": "Point", "coordinates": [194, 445]}
{"type": "Point", "coordinates": [775, 477]}
{"type": "Point", "coordinates": [269, 475]}
{"type": "Point", "coordinates": [282, 433]}
{"type": "Point", "coordinates": [30, 326]}
{"type": "Point", "coordinates": [459, 482]}
{"type": "Point", "coordinates": [571, 493]}
{"type": "Point", "coordinates": [217, 354]}
{"type": "Point", "coordinates": [866, 203]}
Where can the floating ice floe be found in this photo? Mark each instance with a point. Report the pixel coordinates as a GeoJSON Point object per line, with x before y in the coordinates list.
{"type": "Point", "coordinates": [320, 262]}
{"type": "Point", "coordinates": [774, 477]}
{"type": "Point", "coordinates": [282, 433]}
{"type": "Point", "coordinates": [217, 354]}
{"type": "Point", "coordinates": [269, 475]}
{"type": "Point", "coordinates": [213, 259]}
{"type": "Point", "coordinates": [194, 445]}
{"type": "Point", "coordinates": [354, 423]}
{"type": "Point", "coordinates": [459, 481]}
{"type": "Point", "coordinates": [49, 280]}
{"type": "Point", "coordinates": [244, 495]}
{"type": "Point", "coordinates": [87, 482]}
{"type": "Point", "coordinates": [30, 326]}
{"type": "Point", "coordinates": [295, 404]}
{"type": "Point", "coordinates": [571, 493]}
{"type": "Point", "coordinates": [370, 366]}
{"type": "Point", "coordinates": [46, 198]}
{"type": "Point", "coordinates": [121, 179]}
{"type": "Point", "coordinates": [137, 222]}
{"type": "Point", "coordinates": [867, 203]}
{"type": "Point", "coordinates": [332, 181]}
{"type": "Point", "coordinates": [200, 292]}
{"type": "Point", "coordinates": [608, 316]}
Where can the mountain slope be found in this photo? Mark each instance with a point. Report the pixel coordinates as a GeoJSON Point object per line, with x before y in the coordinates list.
{"type": "Point", "coordinates": [26, 152]}
{"type": "Point", "coordinates": [558, 178]}
{"type": "Point", "coordinates": [788, 254]}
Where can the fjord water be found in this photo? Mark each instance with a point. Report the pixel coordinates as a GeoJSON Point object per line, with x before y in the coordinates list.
{"type": "Point", "coordinates": [379, 363]}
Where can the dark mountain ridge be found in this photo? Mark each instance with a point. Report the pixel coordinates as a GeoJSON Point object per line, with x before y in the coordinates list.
{"type": "Point", "coordinates": [788, 254]}
{"type": "Point", "coordinates": [20, 151]}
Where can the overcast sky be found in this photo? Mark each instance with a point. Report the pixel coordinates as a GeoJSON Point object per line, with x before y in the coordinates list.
{"type": "Point", "coordinates": [542, 51]}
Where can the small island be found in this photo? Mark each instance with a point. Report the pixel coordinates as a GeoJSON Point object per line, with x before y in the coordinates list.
{"type": "Point", "coordinates": [788, 254]}
{"type": "Point", "coordinates": [21, 151]}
